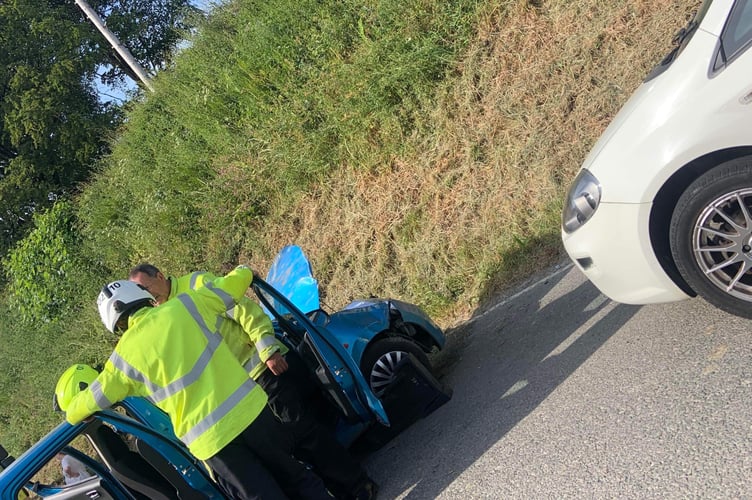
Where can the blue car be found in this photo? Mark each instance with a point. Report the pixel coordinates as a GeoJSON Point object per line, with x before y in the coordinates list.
{"type": "Point", "coordinates": [368, 367]}
{"type": "Point", "coordinates": [130, 452]}
{"type": "Point", "coordinates": [369, 358]}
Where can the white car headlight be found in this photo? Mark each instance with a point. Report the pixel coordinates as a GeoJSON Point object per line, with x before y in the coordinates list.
{"type": "Point", "coordinates": [582, 201]}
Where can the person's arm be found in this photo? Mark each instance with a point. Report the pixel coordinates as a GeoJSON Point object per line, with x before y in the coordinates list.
{"type": "Point", "coordinates": [235, 283]}
{"type": "Point", "coordinates": [257, 325]}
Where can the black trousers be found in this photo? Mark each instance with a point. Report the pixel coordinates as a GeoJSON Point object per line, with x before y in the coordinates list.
{"type": "Point", "coordinates": [258, 464]}
{"type": "Point", "coordinates": [290, 397]}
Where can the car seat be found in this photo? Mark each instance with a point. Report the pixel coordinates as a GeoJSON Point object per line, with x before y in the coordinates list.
{"type": "Point", "coordinates": [168, 471]}
{"type": "Point", "coordinates": [129, 467]}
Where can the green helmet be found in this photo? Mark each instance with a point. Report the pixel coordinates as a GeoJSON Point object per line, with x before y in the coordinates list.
{"type": "Point", "coordinates": [73, 380]}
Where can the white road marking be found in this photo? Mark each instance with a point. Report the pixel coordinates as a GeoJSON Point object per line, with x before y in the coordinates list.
{"type": "Point", "coordinates": [541, 281]}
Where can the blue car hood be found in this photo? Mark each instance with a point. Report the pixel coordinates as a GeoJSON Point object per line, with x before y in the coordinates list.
{"type": "Point", "coordinates": [292, 276]}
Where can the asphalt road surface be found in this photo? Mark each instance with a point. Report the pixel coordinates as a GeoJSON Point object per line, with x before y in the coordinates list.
{"type": "Point", "coordinates": [561, 393]}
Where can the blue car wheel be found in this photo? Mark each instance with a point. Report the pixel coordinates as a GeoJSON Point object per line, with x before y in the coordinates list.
{"type": "Point", "coordinates": [381, 358]}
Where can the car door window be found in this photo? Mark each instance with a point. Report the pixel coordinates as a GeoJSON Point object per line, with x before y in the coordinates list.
{"type": "Point", "coordinates": [147, 463]}
{"type": "Point", "coordinates": [287, 327]}
{"type": "Point", "coordinates": [737, 34]}
{"type": "Point", "coordinates": [71, 473]}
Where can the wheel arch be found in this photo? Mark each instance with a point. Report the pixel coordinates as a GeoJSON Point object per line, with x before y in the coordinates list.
{"type": "Point", "coordinates": [665, 201]}
{"type": "Point", "coordinates": [420, 337]}
{"type": "Point", "coordinates": [409, 321]}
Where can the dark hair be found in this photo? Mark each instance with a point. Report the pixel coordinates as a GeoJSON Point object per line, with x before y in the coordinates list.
{"type": "Point", "coordinates": [129, 310]}
{"type": "Point", "coordinates": [146, 268]}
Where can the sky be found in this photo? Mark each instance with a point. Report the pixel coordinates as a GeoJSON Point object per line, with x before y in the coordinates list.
{"type": "Point", "coordinates": [118, 95]}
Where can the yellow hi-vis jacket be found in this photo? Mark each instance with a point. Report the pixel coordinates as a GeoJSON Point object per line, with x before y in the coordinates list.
{"type": "Point", "coordinates": [246, 328]}
{"type": "Point", "coordinates": [174, 356]}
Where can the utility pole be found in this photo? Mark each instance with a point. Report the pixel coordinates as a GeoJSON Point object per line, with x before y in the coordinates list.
{"type": "Point", "coordinates": [123, 52]}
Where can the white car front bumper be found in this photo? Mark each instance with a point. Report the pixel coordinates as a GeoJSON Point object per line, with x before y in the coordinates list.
{"type": "Point", "coordinates": [613, 250]}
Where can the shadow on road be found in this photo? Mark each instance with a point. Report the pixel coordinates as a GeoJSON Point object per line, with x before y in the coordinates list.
{"type": "Point", "coordinates": [501, 365]}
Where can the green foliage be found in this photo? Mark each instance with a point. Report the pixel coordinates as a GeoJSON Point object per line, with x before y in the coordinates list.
{"type": "Point", "coordinates": [48, 321]}
{"type": "Point", "coordinates": [150, 29]}
{"type": "Point", "coordinates": [53, 126]}
{"type": "Point", "coordinates": [408, 145]}
{"type": "Point", "coordinates": [271, 98]}
{"type": "Point", "coordinates": [267, 100]}
{"type": "Point", "coordinates": [33, 357]}
{"type": "Point", "coordinates": [41, 267]}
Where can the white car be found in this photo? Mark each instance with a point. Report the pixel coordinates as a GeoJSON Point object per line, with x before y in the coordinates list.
{"type": "Point", "coordinates": [661, 209]}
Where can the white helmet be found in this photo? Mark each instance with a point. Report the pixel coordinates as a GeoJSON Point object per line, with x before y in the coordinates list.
{"type": "Point", "coordinates": [118, 298]}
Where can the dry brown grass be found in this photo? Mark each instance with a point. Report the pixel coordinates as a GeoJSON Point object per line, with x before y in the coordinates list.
{"type": "Point", "coordinates": [476, 205]}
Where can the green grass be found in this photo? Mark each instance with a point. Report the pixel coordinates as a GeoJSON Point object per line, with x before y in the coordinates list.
{"type": "Point", "coordinates": [418, 149]}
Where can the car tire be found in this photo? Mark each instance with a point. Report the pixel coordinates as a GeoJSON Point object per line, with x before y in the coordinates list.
{"type": "Point", "coordinates": [711, 236]}
{"type": "Point", "coordinates": [380, 359]}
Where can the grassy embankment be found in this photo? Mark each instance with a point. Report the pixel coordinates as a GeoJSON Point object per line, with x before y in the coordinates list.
{"type": "Point", "coordinates": [417, 149]}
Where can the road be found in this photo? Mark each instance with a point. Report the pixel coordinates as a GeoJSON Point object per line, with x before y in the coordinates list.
{"type": "Point", "coordinates": [561, 393]}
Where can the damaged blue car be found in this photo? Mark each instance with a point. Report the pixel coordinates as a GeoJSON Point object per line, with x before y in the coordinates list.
{"type": "Point", "coordinates": [367, 362]}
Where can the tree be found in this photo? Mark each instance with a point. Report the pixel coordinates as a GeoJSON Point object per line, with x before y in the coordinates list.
{"type": "Point", "coordinates": [41, 267]}
{"type": "Point", "coordinates": [53, 126]}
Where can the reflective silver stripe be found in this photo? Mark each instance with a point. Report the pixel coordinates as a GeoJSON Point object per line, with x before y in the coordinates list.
{"type": "Point", "coordinates": [187, 301]}
{"type": "Point", "coordinates": [226, 297]}
{"type": "Point", "coordinates": [190, 377]}
{"type": "Point", "coordinates": [227, 405]}
{"type": "Point", "coordinates": [130, 372]}
{"type": "Point", "coordinates": [252, 363]}
{"type": "Point", "coordinates": [159, 393]}
{"type": "Point", "coordinates": [99, 398]}
{"type": "Point", "coordinates": [264, 342]}
{"type": "Point", "coordinates": [213, 341]}
{"type": "Point", "coordinates": [194, 278]}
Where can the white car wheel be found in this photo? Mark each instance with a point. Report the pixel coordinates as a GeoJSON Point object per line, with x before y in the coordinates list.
{"type": "Point", "coordinates": [711, 236]}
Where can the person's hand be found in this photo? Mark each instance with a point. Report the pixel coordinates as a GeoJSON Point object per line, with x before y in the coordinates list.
{"type": "Point", "coordinates": [277, 364]}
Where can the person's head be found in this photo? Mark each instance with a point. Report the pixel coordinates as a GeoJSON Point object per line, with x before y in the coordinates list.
{"type": "Point", "coordinates": [118, 300]}
{"type": "Point", "coordinates": [73, 380]}
{"type": "Point", "coordinates": [152, 279]}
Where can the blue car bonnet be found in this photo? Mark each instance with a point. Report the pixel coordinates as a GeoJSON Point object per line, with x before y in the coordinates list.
{"type": "Point", "coordinates": [292, 276]}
